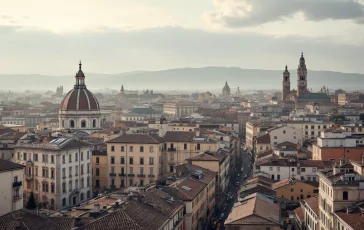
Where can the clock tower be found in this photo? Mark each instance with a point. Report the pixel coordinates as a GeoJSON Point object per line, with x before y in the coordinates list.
{"type": "Point", "coordinates": [302, 77]}
{"type": "Point", "coordinates": [286, 84]}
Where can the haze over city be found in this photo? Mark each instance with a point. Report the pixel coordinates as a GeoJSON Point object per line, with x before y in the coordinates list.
{"type": "Point", "coordinates": [182, 115]}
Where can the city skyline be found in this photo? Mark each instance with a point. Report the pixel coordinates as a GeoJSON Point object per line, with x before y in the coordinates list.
{"type": "Point", "coordinates": [123, 36]}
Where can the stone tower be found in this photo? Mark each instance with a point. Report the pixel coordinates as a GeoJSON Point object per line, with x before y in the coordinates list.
{"type": "Point", "coordinates": [302, 77]}
{"type": "Point", "coordinates": [286, 84]}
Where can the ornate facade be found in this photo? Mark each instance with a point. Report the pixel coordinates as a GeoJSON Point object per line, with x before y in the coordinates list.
{"type": "Point", "coordinates": [80, 109]}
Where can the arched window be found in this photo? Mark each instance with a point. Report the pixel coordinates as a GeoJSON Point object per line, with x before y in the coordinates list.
{"type": "Point", "coordinates": [72, 123]}
{"type": "Point", "coordinates": [345, 195]}
{"type": "Point", "coordinates": [83, 124]}
{"type": "Point", "coordinates": [81, 197]}
{"type": "Point", "coordinates": [94, 123]}
{"type": "Point", "coordinates": [64, 202]}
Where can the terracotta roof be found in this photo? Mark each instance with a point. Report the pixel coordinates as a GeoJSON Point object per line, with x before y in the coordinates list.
{"type": "Point", "coordinates": [9, 166]}
{"type": "Point", "coordinates": [79, 99]}
{"type": "Point", "coordinates": [354, 219]}
{"type": "Point", "coordinates": [264, 139]}
{"type": "Point", "coordinates": [313, 204]}
{"type": "Point", "coordinates": [261, 180]}
{"type": "Point", "coordinates": [117, 220]}
{"type": "Point", "coordinates": [299, 212]}
{"type": "Point", "coordinates": [137, 138]}
{"type": "Point", "coordinates": [185, 170]}
{"type": "Point", "coordinates": [265, 153]}
{"type": "Point", "coordinates": [190, 188]}
{"type": "Point", "coordinates": [12, 135]}
{"type": "Point", "coordinates": [179, 136]}
{"type": "Point", "coordinates": [281, 183]}
{"type": "Point", "coordinates": [286, 146]}
{"type": "Point", "coordinates": [248, 189]}
{"type": "Point", "coordinates": [254, 211]}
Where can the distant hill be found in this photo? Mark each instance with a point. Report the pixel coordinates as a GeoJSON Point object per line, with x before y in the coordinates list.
{"type": "Point", "coordinates": [208, 78]}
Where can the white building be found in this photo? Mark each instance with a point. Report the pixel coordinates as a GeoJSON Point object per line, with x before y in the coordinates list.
{"type": "Point", "coordinates": [80, 109]}
{"type": "Point", "coordinates": [58, 172]}
{"type": "Point", "coordinates": [284, 133]}
{"type": "Point", "coordinates": [286, 149]}
{"type": "Point", "coordinates": [11, 191]}
{"type": "Point", "coordinates": [338, 138]}
{"type": "Point", "coordinates": [304, 170]}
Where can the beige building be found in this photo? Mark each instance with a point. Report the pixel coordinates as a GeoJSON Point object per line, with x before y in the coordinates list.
{"type": "Point", "coordinates": [134, 159]}
{"type": "Point", "coordinates": [254, 212]}
{"type": "Point", "coordinates": [179, 109]}
{"type": "Point", "coordinates": [57, 172]}
{"type": "Point", "coordinates": [218, 162]}
{"type": "Point", "coordinates": [100, 173]}
{"type": "Point", "coordinates": [310, 129]}
{"type": "Point", "coordinates": [11, 191]}
{"type": "Point", "coordinates": [180, 146]}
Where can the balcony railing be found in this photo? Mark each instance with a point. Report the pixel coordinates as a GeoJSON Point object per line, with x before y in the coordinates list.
{"type": "Point", "coordinates": [122, 174]}
{"type": "Point", "coordinates": [150, 176]}
{"type": "Point", "coordinates": [17, 184]}
{"type": "Point", "coordinates": [171, 149]}
{"type": "Point", "coordinates": [112, 174]}
{"type": "Point", "coordinates": [29, 177]}
{"type": "Point", "coordinates": [141, 175]}
{"type": "Point", "coordinates": [131, 174]}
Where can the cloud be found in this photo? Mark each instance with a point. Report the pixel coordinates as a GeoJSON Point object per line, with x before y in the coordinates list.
{"type": "Point", "coordinates": [245, 13]}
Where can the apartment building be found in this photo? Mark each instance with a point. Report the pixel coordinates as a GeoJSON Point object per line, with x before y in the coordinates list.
{"type": "Point", "coordinates": [8, 141]}
{"type": "Point", "coordinates": [58, 172]}
{"type": "Point", "coordinates": [254, 129]}
{"type": "Point", "coordinates": [282, 134]}
{"type": "Point", "coordinates": [218, 162]}
{"type": "Point", "coordinates": [179, 109]}
{"type": "Point", "coordinates": [197, 192]}
{"type": "Point", "coordinates": [340, 187]}
{"type": "Point", "coordinates": [134, 159]}
{"type": "Point", "coordinates": [310, 129]}
{"type": "Point", "coordinates": [335, 143]}
{"type": "Point", "coordinates": [303, 170]}
{"type": "Point", "coordinates": [11, 177]}
{"type": "Point", "coordinates": [100, 173]}
{"type": "Point", "coordinates": [262, 143]}
{"type": "Point", "coordinates": [311, 213]}
{"type": "Point", "coordinates": [179, 146]}
{"type": "Point", "coordinates": [294, 190]}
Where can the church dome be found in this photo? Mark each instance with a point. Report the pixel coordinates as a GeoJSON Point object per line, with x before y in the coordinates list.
{"type": "Point", "coordinates": [226, 89]}
{"type": "Point", "coordinates": [80, 98]}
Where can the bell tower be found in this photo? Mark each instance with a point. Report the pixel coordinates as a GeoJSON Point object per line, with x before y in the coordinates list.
{"type": "Point", "coordinates": [286, 84]}
{"type": "Point", "coordinates": [302, 77]}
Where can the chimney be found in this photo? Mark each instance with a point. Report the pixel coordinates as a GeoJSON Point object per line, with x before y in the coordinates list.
{"type": "Point", "coordinates": [342, 161]}
{"type": "Point", "coordinates": [336, 170]}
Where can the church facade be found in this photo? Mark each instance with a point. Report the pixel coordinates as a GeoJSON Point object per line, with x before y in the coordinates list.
{"type": "Point", "coordinates": [301, 95]}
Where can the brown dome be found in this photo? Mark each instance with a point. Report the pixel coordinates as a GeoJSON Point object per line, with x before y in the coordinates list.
{"type": "Point", "coordinates": [80, 99]}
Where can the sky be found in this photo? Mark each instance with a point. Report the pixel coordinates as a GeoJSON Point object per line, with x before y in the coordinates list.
{"type": "Point", "coordinates": [115, 36]}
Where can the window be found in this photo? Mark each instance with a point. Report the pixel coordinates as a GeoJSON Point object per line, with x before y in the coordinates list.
{"type": "Point", "coordinates": [292, 169]}
{"type": "Point", "coordinates": [345, 195]}
{"type": "Point", "coordinates": [284, 131]}
{"type": "Point", "coordinates": [83, 124]}
{"type": "Point", "coordinates": [97, 172]}
{"type": "Point", "coordinates": [52, 187]}
{"type": "Point", "coordinates": [112, 160]}
{"type": "Point", "coordinates": [81, 169]}
{"type": "Point", "coordinates": [122, 148]}
{"type": "Point", "coordinates": [24, 156]}
{"type": "Point", "coordinates": [312, 127]}
{"type": "Point", "coordinates": [303, 169]}
{"type": "Point", "coordinates": [131, 149]}
{"type": "Point", "coordinates": [141, 171]}
{"type": "Point", "coordinates": [52, 173]}
{"type": "Point", "coordinates": [141, 160]}
{"type": "Point", "coordinates": [97, 160]}
{"type": "Point", "coordinates": [52, 159]}
{"type": "Point", "coordinates": [112, 148]}
{"type": "Point", "coordinates": [292, 189]}
{"type": "Point", "coordinates": [43, 172]}
{"type": "Point", "coordinates": [275, 137]}
{"type": "Point", "coordinates": [270, 168]}
{"type": "Point", "coordinates": [64, 187]}
{"type": "Point", "coordinates": [151, 149]}
{"type": "Point", "coordinates": [70, 158]}
{"type": "Point", "coordinates": [278, 169]}
{"type": "Point", "coordinates": [151, 171]}
{"type": "Point", "coordinates": [131, 160]}
{"type": "Point", "coordinates": [313, 169]}
{"type": "Point", "coordinates": [141, 149]}
{"type": "Point", "coordinates": [172, 157]}
{"type": "Point", "coordinates": [63, 159]}
{"type": "Point", "coordinates": [198, 147]}
{"type": "Point", "coordinates": [72, 123]}
{"type": "Point", "coordinates": [88, 155]}
{"type": "Point", "coordinates": [278, 177]}
{"type": "Point", "coordinates": [81, 156]}
{"type": "Point", "coordinates": [131, 170]}
{"type": "Point", "coordinates": [94, 123]}
{"type": "Point", "coordinates": [151, 160]}
{"type": "Point", "coordinates": [185, 156]}
{"type": "Point", "coordinates": [88, 168]}
{"type": "Point", "coordinates": [64, 172]}
{"type": "Point", "coordinates": [76, 157]}
{"type": "Point", "coordinates": [35, 157]}
{"type": "Point", "coordinates": [76, 170]}
{"type": "Point", "coordinates": [70, 171]}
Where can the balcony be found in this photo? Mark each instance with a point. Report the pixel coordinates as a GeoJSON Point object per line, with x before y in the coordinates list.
{"type": "Point", "coordinates": [131, 174]}
{"type": "Point", "coordinates": [171, 149]}
{"type": "Point", "coordinates": [112, 174]}
{"type": "Point", "coordinates": [17, 184]}
{"type": "Point", "coordinates": [17, 197]}
{"type": "Point", "coordinates": [122, 174]}
{"type": "Point", "coordinates": [150, 176]}
{"type": "Point", "coordinates": [29, 177]}
{"type": "Point", "coordinates": [112, 186]}
{"type": "Point", "coordinates": [141, 175]}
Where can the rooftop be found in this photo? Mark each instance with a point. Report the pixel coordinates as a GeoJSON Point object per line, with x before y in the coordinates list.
{"type": "Point", "coordinates": [9, 166]}
{"type": "Point", "coordinates": [137, 138]}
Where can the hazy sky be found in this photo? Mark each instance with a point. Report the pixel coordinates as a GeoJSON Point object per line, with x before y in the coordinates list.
{"type": "Point", "coordinates": [112, 36]}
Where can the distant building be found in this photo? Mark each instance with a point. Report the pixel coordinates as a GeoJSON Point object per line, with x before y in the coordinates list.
{"type": "Point", "coordinates": [226, 90]}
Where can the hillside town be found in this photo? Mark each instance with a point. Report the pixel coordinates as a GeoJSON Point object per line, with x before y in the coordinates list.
{"type": "Point", "coordinates": [148, 160]}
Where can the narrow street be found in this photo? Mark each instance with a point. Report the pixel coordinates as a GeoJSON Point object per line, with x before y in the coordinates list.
{"type": "Point", "coordinates": [246, 163]}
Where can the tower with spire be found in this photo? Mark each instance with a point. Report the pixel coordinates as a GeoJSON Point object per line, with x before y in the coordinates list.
{"type": "Point", "coordinates": [302, 77]}
{"type": "Point", "coordinates": [286, 84]}
{"type": "Point", "coordinates": [226, 90]}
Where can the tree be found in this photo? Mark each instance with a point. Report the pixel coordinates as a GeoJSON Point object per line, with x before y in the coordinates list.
{"type": "Point", "coordinates": [31, 202]}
